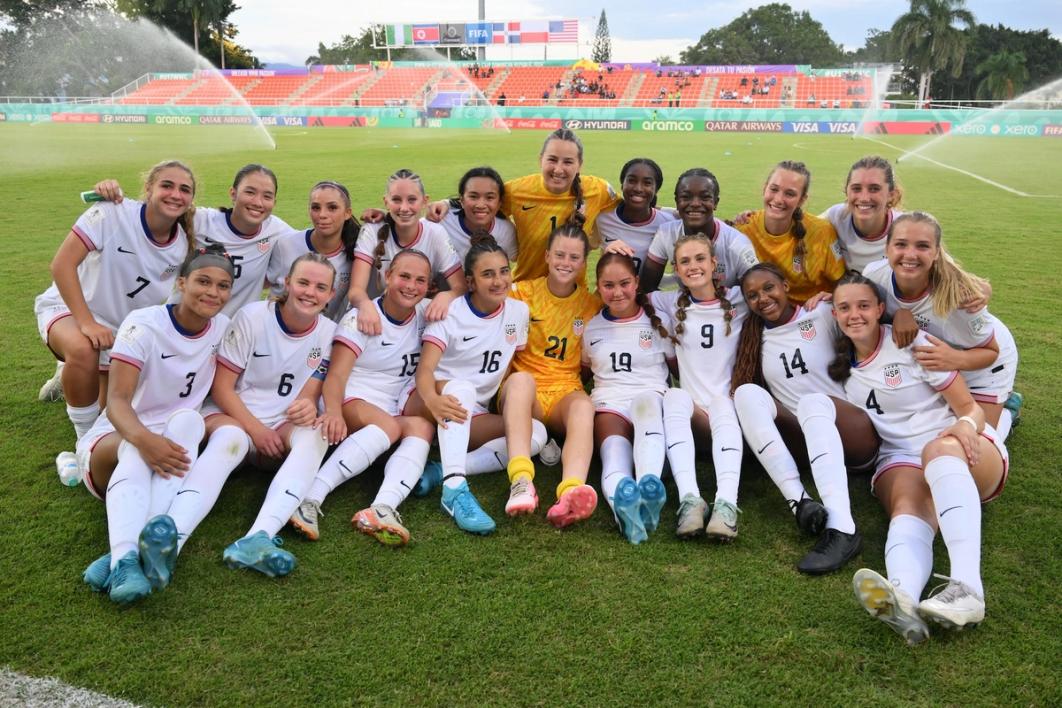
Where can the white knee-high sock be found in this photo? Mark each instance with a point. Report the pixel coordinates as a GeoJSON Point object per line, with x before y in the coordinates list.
{"type": "Point", "coordinates": [727, 446]}
{"type": "Point", "coordinates": [353, 456]}
{"type": "Point", "coordinates": [1006, 422]}
{"type": "Point", "coordinates": [818, 420]}
{"type": "Point", "coordinates": [493, 455]}
{"type": "Point", "coordinates": [186, 428]}
{"type": "Point", "coordinates": [128, 498]}
{"type": "Point", "coordinates": [83, 417]}
{"type": "Point", "coordinates": [647, 414]}
{"type": "Point", "coordinates": [756, 412]}
{"type": "Point", "coordinates": [617, 461]}
{"type": "Point", "coordinates": [959, 517]}
{"type": "Point", "coordinates": [291, 482]}
{"type": "Point", "coordinates": [224, 452]}
{"type": "Point", "coordinates": [678, 435]}
{"type": "Point", "coordinates": [402, 471]}
{"type": "Point", "coordinates": [909, 554]}
{"type": "Point", "coordinates": [453, 439]}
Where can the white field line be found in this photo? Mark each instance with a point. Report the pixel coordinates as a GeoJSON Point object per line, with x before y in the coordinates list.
{"type": "Point", "coordinates": [26, 691]}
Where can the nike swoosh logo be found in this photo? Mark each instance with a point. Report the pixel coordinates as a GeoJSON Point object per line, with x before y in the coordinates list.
{"type": "Point", "coordinates": [890, 549]}
{"type": "Point", "coordinates": [402, 482]}
{"type": "Point", "coordinates": [525, 208]}
{"type": "Point", "coordinates": [760, 451]}
{"type": "Point", "coordinates": [674, 444]}
{"type": "Point", "coordinates": [186, 491]}
{"type": "Point", "coordinates": [730, 526]}
{"type": "Point", "coordinates": [256, 355]}
{"type": "Point", "coordinates": [731, 449]}
{"type": "Point", "coordinates": [115, 485]}
{"type": "Point", "coordinates": [941, 514]}
{"type": "Point", "coordinates": [289, 493]}
{"type": "Point", "coordinates": [346, 469]}
{"type": "Point", "coordinates": [818, 456]}
{"type": "Point", "coordinates": [536, 319]}
{"type": "Point", "coordinates": [386, 344]}
{"type": "Point", "coordinates": [168, 356]}
{"type": "Point", "coordinates": [596, 341]}
{"type": "Point", "coordinates": [468, 339]}
{"type": "Point", "coordinates": [123, 250]}
{"type": "Point", "coordinates": [650, 432]}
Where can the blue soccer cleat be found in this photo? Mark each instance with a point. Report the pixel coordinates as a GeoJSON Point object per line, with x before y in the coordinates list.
{"type": "Point", "coordinates": [459, 503]}
{"type": "Point", "coordinates": [260, 552]}
{"type": "Point", "coordinates": [653, 497]}
{"type": "Point", "coordinates": [98, 574]}
{"type": "Point", "coordinates": [429, 480]}
{"type": "Point", "coordinates": [127, 582]}
{"type": "Point", "coordinates": [627, 504]}
{"type": "Point", "coordinates": [158, 550]}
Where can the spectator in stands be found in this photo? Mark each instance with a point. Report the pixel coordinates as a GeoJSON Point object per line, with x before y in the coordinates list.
{"type": "Point", "coordinates": [744, 81]}
{"type": "Point", "coordinates": [811, 99]}
{"type": "Point", "coordinates": [747, 100]}
{"type": "Point", "coordinates": [501, 98]}
{"type": "Point", "coordinates": [545, 95]}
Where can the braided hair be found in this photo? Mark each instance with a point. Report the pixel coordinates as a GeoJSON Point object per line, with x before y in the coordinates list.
{"type": "Point", "coordinates": [577, 217]}
{"type": "Point", "coordinates": [349, 235]}
{"type": "Point", "coordinates": [389, 225]}
{"type": "Point", "coordinates": [187, 219]}
{"type": "Point", "coordinates": [686, 297]}
{"type": "Point", "coordinates": [640, 298]}
{"type": "Point", "coordinates": [748, 366]}
{"type": "Point", "coordinates": [840, 368]}
{"type": "Point", "coordinates": [799, 230]}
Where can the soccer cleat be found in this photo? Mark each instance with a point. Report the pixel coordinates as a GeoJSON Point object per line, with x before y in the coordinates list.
{"type": "Point", "coordinates": [98, 574]}
{"type": "Point", "coordinates": [832, 552]}
{"type": "Point", "coordinates": [955, 607]}
{"type": "Point", "coordinates": [305, 518]}
{"type": "Point", "coordinates": [1013, 404]}
{"type": "Point", "coordinates": [653, 496]}
{"type": "Point", "coordinates": [889, 604]}
{"type": "Point", "coordinates": [127, 583]}
{"type": "Point", "coordinates": [810, 516]}
{"type": "Point", "coordinates": [523, 499]}
{"type": "Point", "coordinates": [723, 524]}
{"type": "Point", "coordinates": [576, 504]}
{"type": "Point", "coordinates": [459, 503]}
{"type": "Point", "coordinates": [262, 553]}
{"type": "Point", "coordinates": [382, 523]}
{"type": "Point", "coordinates": [430, 478]}
{"type": "Point", "coordinates": [158, 550]}
{"type": "Point", "coordinates": [550, 454]}
{"type": "Point", "coordinates": [692, 515]}
{"type": "Point", "coordinates": [52, 390]}
{"type": "Point", "coordinates": [627, 505]}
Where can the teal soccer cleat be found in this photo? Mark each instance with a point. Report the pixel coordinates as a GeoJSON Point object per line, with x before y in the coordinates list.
{"type": "Point", "coordinates": [260, 552]}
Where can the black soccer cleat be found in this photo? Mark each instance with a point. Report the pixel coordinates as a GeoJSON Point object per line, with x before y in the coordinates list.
{"type": "Point", "coordinates": [832, 552]}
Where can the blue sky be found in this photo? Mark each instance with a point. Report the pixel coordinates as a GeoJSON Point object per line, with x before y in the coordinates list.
{"type": "Point", "coordinates": [288, 32]}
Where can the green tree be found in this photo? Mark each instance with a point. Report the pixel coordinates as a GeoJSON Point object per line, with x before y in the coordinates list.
{"type": "Point", "coordinates": [1043, 58]}
{"type": "Point", "coordinates": [927, 38]}
{"type": "Point", "coordinates": [1004, 75]}
{"type": "Point", "coordinates": [770, 34]}
{"type": "Point", "coordinates": [188, 18]}
{"type": "Point", "coordinates": [602, 51]}
{"type": "Point", "coordinates": [877, 49]}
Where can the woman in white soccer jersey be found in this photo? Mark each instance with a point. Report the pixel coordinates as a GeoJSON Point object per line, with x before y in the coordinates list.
{"type": "Point", "coordinates": [480, 193]}
{"type": "Point", "coordinates": [271, 363]}
{"type": "Point", "coordinates": [401, 228]}
{"type": "Point", "coordinates": [247, 230]}
{"type": "Point", "coordinates": [630, 353]}
{"type": "Point", "coordinates": [117, 258]}
{"type": "Point", "coordinates": [696, 198]}
{"type": "Point", "coordinates": [939, 460]}
{"type": "Point", "coordinates": [630, 227]}
{"type": "Point", "coordinates": [462, 365]}
{"type": "Point", "coordinates": [334, 234]}
{"type": "Point", "coordinates": [370, 379]}
{"type": "Point", "coordinates": [707, 321]}
{"type": "Point", "coordinates": [872, 200]}
{"type": "Point", "coordinates": [785, 399]}
{"type": "Point", "coordinates": [921, 276]}
{"type": "Point", "coordinates": [148, 437]}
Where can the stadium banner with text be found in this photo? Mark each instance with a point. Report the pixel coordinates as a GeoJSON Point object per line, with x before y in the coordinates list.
{"type": "Point", "coordinates": [476, 34]}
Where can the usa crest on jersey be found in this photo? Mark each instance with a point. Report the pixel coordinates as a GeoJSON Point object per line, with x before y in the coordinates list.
{"type": "Point", "coordinates": [510, 333]}
{"type": "Point", "coordinates": [313, 359]}
{"type": "Point", "coordinates": [645, 339]}
{"type": "Point", "coordinates": [892, 375]}
{"type": "Point", "coordinates": [263, 245]}
{"type": "Point", "coordinates": [577, 326]}
{"type": "Point", "coordinates": [798, 263]}
{"type": "Point", "coordinates": [807, 330]}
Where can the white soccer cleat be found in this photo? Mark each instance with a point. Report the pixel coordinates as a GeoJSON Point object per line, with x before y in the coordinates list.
{"type": "Point", "coordinates": [550, 453]}
{"type": "Point", "coordinates": [893, 606]}
{"type": "Point", "coordinates": [954, 607]}
{"type": "Point", "coordinates": [52, 390]}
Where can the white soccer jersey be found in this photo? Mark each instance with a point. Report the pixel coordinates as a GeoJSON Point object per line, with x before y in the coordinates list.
{"type": "Point", "coordinates": [857, 250]}
{"type": "Point", "coordinates": [273, 363]}
{"type": "Point", "coordinates": [502, 230]}
{"type": "Point", "coordinates": [249, 252]}
{"type": "Point", "coordinates": [431, 240]}
{"type": "Point", "coordinates": [706, 353]}
{"type": "Point", "coordinates": [901, 398]}
{"type": "Point", "coordinates": [794, 356]}
{"type": "Point", "coordinates": [125, 269]}
{"type": "Point", "coordinates": [610, 226]}
{"type": "Point", "coordinates": [734, 253]}
{"type": "Point", "coordinates": [477, 346]}
{"type": "Point", "coordinates": [627, 356]}
{"type": "Point", "coordinates": [386, 362]}
{"type": "Point", "coordinates": [297, 243]}
{"type": "Point", "coordinates": [176, 367]}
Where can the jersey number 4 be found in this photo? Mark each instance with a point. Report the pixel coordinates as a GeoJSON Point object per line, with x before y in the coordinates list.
{"type": "Point", "coordinates": [796, 362]}
{"type": "Point", "coordinates": [872, 404]}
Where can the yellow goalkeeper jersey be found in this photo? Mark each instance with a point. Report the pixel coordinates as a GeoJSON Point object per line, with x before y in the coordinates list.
{"type": "Point", "coordinates": [555, 340]}
{"type": "Point", "coordinates": [821, 265]}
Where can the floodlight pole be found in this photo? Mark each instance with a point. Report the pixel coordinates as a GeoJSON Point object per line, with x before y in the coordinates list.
{"type": "Point", "coordinates": [481, 52]}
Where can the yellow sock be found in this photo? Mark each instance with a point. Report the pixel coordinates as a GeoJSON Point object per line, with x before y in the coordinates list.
{"type": "Point", "coordinates": [568, 485]}
{"type": "Point", "coordinates": [521, 467]}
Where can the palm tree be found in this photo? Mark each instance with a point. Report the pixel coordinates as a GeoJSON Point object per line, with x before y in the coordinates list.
{"type": "Point", "coordinates": [1004, 74]}
{"type": "Point", "coordinates": [929, 40]}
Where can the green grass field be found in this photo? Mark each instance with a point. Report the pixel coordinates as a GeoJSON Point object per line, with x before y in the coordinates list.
{"type": "Point", "coordinates": [529, 615]}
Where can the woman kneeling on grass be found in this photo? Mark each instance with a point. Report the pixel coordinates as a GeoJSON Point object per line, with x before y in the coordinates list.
{"type": "Point", "coordinates": [370, 379]}
{"type": "Point", "coordinates": [148, 437]}
{"type": "Point", "coordinates": [938, 462]}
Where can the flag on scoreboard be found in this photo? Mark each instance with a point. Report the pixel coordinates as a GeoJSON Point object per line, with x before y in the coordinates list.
{"type": "Point", "coordinates": [399, 35]}
{"type": "Point", "coordinates": [564, 31]}
{"type": "Point", "coordinates": [425, 34]}
{"type": "Point", "coordinates": [497, 33]}
{"type": "Point", "coordinates": [534, 31]}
